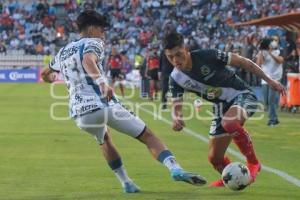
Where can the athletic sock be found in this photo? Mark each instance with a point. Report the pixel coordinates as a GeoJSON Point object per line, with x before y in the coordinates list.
{"type": "Point", "coordinates": [119, 171]}
{"type": "Point", "coordinates": [168, 160]}
{"type": "Point", "coordinates": [244, 143]}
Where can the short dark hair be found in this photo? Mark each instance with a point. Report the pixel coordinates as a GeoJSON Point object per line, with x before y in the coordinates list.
{"type": "Point", "coordinates": [172, 40]}
{"type": "Point", "coordinates": [265, 43]}
{"type": "Point", "coordinates": [90, 18]}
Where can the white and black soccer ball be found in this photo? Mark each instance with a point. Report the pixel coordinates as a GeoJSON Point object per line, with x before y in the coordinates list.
{"type": "Point", "coordinates": [236, 176]}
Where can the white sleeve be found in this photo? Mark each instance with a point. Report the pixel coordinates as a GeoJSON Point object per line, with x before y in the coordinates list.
{"type": "Point", "coordinates": [95, 46]}
{"type": "Point", "coordinates": [54, 64]}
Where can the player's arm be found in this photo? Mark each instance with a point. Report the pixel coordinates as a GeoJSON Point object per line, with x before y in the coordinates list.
{"type": "Point", "coordinates": [250, 66]}
{"type": "Point", "coordinates": [90, 65]}
{"type": "Point", "coordinates": [177, 99]}
{"type": "Point", "coordinates": [278, 58]}
{"type": "Point", "coordinates": [178, 123]}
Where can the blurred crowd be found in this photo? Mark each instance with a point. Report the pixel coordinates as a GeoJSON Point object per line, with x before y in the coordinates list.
{"type": "Point", "coordinates": [42, 26]}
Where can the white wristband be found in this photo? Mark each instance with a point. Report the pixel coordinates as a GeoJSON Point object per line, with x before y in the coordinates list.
{"type": "Point", "coordinates": [100, 80]}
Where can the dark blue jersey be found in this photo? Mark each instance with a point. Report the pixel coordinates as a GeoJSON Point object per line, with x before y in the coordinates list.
{"type": "Point", "coordinates": [209, 77]}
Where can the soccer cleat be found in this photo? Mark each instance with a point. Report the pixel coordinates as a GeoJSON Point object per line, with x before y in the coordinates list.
{"type": "Point", "coordinates": [254, 169]}
{"type": "Point", "coordinates": [218, 183]}
{"type": "Point", "coordinates": [130, 187]}
{"type": "Point", "coordinates": [191, 178]}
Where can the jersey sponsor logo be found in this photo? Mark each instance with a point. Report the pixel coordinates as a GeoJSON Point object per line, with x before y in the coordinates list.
{"type": "Point", "coordinates": [205, 70]}
{"type": "Point", "coordinates": [190, 84]}
{"type": "Point", "coordinates": [78, 98]}
{"type": "Point", "coordinates": [85, 108]}
{"type": "Point", "coordinates": [183, 81]}
{"type": "Point", "coordinates": [209, 76]}
{"type": "Point", "coordinates": [77, 88]}
{"type": "Point", "coordinates": [94, 49]}
{"type": "Point", "coordinates": [66, 53]}
{"type": "Point", "coordinates": [210, 92]}
{"type": "Point", "coordinates": [84, 99]}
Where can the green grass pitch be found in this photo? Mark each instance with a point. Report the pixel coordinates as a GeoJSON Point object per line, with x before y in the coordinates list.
{"type": "Point", "coordinates": [44, 159]}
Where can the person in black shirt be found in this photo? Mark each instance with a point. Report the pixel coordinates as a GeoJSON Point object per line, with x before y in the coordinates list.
{"type": "Point", "coordinates": [165, 68]}
{"type": "Point", "coordinates": [204, 73]}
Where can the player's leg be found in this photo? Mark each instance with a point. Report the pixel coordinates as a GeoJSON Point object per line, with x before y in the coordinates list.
{"type": "Point", "coordinates": [156, 88]}
{"type": "Point", "coordinates": [123, 121]}
{"type": "Point", "coordinates": [165, 88]}
{"type": "Point", "coordinates": [274, 100]}
{"type": "Point", "coordinates": [151, 74]}
{"type": "Point", "coordinates": [218, 144]}
{"type": "Point", "coordinates": [233, 122]}
{"type": "Point", "coordinates": [160, 152]}
{"type": "Point", "coordinates": [216, 156]}
{"type": "Point", "coordinates": [114, 161]}
{"type": "Point", "coordinates": [265, 90]}
{"type": "Point", "coordinates": [94, 124]}
{"type": "Point", "coordinates": [113, 78]}
{"type": "Point", "coordinates": [151, 89]}
{"type": "Point", "coordinates": [121, 83]}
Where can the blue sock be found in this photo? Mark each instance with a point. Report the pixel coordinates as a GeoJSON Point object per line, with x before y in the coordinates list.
{"type": "Point", "coordinates": [163, 155]}
{"type": "Point", "coordinates": [120, 171]}
{"type": "Point", "coordinates": [115, 164]}
{"type": "Point", "coordinates": [167, 159]}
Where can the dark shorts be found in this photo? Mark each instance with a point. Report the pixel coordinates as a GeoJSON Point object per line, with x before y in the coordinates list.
{"type": "Point", "coordinates": [115, 73]}
{"type": "Point", "coordinates": [153, 74]}
{"type": "Point", "coordinates": [248, 101]}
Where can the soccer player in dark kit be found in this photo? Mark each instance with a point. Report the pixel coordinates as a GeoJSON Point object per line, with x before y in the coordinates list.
{"type": "Point", "coordinates": [204, 73]}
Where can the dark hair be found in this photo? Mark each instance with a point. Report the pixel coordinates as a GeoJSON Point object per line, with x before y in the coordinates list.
{"type": "Point", "coordinates": [90, 18]}
{"type": "Point", "coordinates": [265, 43]}
{"type": "Point", "coordinates": [172, 40]}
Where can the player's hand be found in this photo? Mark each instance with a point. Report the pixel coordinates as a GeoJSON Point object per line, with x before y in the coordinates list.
{"type": "Point", "coordinates": [53, 76]}
{"type": "Point", "coordinates": [278, 87]}
{"type": "Point", "coordinates": [107, 92]}
{"type": "Point", "coordinates": [178, 124]}
{"type": "Point", "coordinates": [48, 75]}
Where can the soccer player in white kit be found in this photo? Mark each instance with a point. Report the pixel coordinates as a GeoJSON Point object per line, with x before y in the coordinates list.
{"type": "Point", "coordinates": [94, 106]}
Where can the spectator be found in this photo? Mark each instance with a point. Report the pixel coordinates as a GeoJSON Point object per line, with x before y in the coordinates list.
{"type": "Point", "coordinates": [2, 48]}
{"type": "Point", "coordinates": [114, 64]}
{"type": "Point", "coordinates": [270, 59]}
{"type": "Point", "coordinates": [165, 68]}
{"type": "Point", "coordinates": [126, 64]}
{"type": "Point", "coordinates": [248, 51]}
{"type": "Point", "coordinates": [151, 72]}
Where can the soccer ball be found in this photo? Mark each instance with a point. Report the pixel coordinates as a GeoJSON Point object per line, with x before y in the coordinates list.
{"type": "Point", "coordinates": [236, 176]}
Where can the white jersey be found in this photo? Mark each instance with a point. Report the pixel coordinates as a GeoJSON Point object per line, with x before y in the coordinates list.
{"type": "Point", "coordinates": [84, 94]}
{"type": "Point", "coordinates": [271, 67]}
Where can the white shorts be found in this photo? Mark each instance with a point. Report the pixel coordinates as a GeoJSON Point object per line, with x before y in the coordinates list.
{"type": "Point", "coordinates": [116, 117]}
